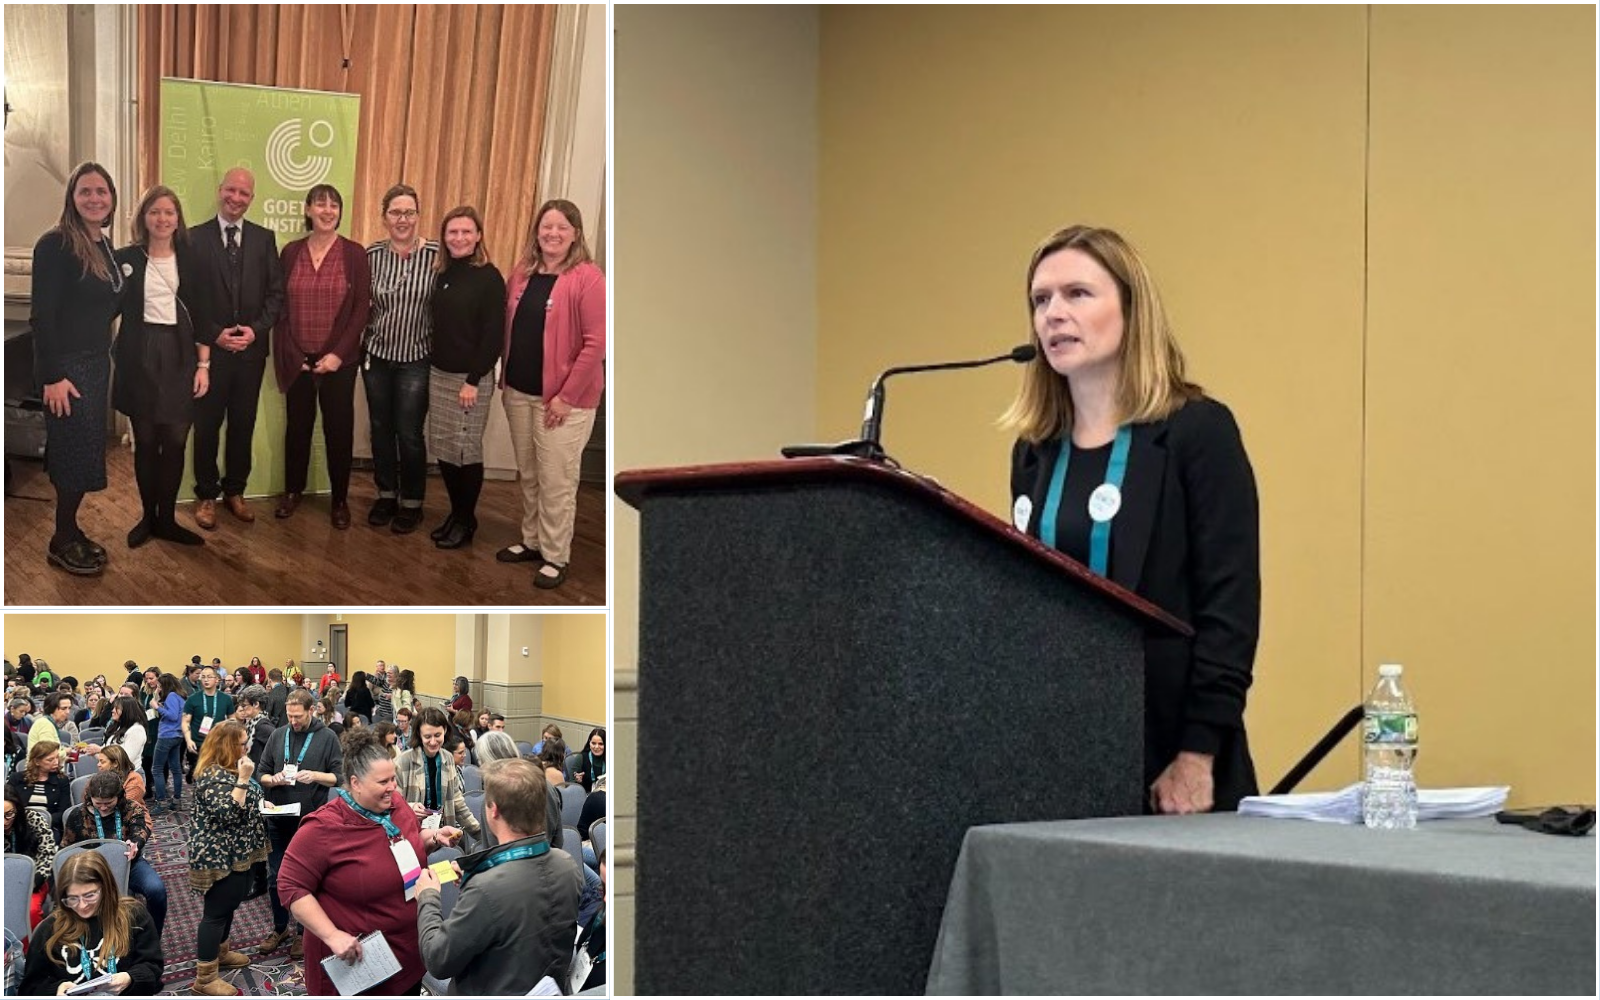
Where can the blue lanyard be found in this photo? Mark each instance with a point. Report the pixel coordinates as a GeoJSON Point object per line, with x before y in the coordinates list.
{"type": "Point", "coordinates": [88, 966]}
{"type": "Point", "coordinates": [388, 824]}
{"type": "Point", "coordinates": [100, 828]}
{"type": "Point", "coordinates": [500, 856]}
{"type": "Point", "coordinates": [303, 747]}
{"type": "Point", "coordinates": [1100, 534]}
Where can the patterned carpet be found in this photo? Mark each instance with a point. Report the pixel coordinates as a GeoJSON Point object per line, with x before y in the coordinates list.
{"type": "Point", "coordinates": [270, 975]}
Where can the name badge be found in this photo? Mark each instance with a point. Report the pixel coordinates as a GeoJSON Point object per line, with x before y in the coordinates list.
{"type": "Point", "coordinates": [205, 725]}
{"type": "Point", "coordinates": [290, 770]}
{"type": "Point", "coordinates": [405, 859]}
{"type": "Point", "coordinates": [152, 714]}
{"type": "Point", "coordinates": [432, 821]}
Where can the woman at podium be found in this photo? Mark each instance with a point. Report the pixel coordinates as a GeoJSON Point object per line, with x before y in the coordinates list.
{"type": "Point", "coordinates": [1126, 466]}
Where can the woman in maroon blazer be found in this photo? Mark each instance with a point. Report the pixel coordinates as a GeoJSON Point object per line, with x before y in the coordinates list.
{"type": "Point", "coordinates": [316, 347]}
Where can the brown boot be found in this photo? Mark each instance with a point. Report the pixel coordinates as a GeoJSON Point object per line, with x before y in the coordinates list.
{"type": "Point", "coordinates": [297, 948]}
{"type": "Point", "coordinates": [272, 942]}
{"type": "Point", "coordinates": [208, 983]}
{"type": "Point", "coordinates": [230, 959]}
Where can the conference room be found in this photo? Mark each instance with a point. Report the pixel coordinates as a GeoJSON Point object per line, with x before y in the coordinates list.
{"type": "Point", "coordinates": [1372, 231]}
{"type": "Point", "coordinates": [227, 772]}
{"type": "Point", "coordinates": [263, 442]}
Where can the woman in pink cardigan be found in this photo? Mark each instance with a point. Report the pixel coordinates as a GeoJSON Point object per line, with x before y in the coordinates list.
{"type": "Point", "coordinates": [316, 347]}
{"type": "Point", "coordinates": [552, 374]}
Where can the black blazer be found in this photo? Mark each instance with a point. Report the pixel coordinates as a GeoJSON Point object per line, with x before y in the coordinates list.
{"type": "Point", "coordinates": [1187, 540]}
{"type": "Point", "coordinates": [132, 393]}
{"type": "Point", "coordinates": [256, 303]}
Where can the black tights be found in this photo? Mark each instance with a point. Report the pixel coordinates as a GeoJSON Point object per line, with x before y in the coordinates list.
{"type": "Point", "coordinates": [216, 921]}
{"type": "Point", "coordinates": [158, 466]}
{"type": "Point", "coordinates": [464, 483]}
{"type": "Point", "coordinates": [67, 530]}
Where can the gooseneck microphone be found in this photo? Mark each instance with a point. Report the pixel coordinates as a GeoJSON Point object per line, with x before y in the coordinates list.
{"type": "Point", "coordinates": [869, 445]}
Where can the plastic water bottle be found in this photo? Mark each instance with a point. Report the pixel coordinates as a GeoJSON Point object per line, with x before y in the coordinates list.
{"type": "Point", "coordinates": [1389, 738]}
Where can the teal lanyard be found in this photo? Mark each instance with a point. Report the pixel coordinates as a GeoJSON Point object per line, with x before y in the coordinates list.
{"type": "Point", "coordinates": [595, 772]}
{"type": "Point", "coordinates": [303, 747]}
{"type": "Point", "coordinates": [212, 711]}
{"type": "Point", "coordinates": [1100, 534]}
{"type": "Point", "coordinates": [100, 829]}
{"type": "Point", "coordinates": [500, 856]}
{"type": "Point", "coordinates": [388, 824]}
{"type": "Point", "coordinates": [88, 966]}
{"type": "Point", "coordinates": [431, 795]}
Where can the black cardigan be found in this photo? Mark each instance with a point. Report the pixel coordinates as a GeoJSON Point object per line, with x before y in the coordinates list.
{"type": "Point", "coordinates": [58, 794]}
{"type": "Point", "coordinates": [143, 963]}
{"type": "Point", "coordinates": [70, 312]}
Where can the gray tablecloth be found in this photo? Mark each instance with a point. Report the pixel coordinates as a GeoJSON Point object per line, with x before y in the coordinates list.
{"type": "Point", "coordinates": [1231, 904]}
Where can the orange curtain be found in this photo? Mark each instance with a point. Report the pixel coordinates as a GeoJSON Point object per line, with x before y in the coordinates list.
{"type": "Point", "coordinates": [452, 97]}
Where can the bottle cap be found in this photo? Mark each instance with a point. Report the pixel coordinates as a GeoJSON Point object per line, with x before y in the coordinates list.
{"type": "Point", "coordinates": [1389, 670]}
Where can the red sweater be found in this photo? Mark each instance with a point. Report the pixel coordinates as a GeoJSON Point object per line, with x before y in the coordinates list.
{"type": "Point", "coordinates": [343, 859]}
{"type": "Point", "coordinates": [574, 335]}
{"type": "Point", "coordinates": [348, 324]}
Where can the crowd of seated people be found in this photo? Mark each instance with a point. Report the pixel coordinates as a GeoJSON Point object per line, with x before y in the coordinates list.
{"type": "Point", "coordinates": [193, 757]}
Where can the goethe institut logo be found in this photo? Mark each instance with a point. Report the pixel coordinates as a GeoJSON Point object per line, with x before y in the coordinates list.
{"type": "Point", "coordinates": [291, 157]}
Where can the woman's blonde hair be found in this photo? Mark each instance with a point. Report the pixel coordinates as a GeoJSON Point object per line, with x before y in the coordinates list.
{"type": "Point", "coordinates": [1150, 376]}
{"type": "Point", "coordinates": [115, 910]}
{"type": "Point", "coordinates": [221, 749]}
{"type": "Point", "coordinates": [141, 232]}
{"type": "Point", "coordinates": [532, 261]}
{"type": "Point", "coordinates": [480, 256]}
{"type": "Point", "coordinates": [77, 233]}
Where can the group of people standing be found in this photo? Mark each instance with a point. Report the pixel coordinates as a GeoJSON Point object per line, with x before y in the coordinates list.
{"type": "Point", "coordinates": [427, 324]}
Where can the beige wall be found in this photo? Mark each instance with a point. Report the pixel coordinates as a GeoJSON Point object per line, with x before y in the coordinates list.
{"type": "Point", "coordinates": [716, 221]}
{"type": "Point", "coordinates": [84, 645]}
{"type": "Point", "coordinates": [573, 655]}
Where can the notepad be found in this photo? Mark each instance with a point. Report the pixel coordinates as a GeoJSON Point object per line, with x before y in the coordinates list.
{"type": "Point", "coordinates": [444, 870]}
{"type": "Point", "coordinates": [93, 986]}
{"type": "Point", "coordinates": [377, 964]}
{"type": "Point", "coordinates": [270, 809]}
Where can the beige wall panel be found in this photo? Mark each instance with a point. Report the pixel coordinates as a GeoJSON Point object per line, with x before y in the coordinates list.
{"type": "Point", "coordinates": [1227, 144]}
{"type": "Point", "coordinates": [574, 666]}
{"type": "Point", "coordinates": [424, 644]}
{"type": "Point", "coordinates": [714, 275]}
{"type": "Point", "coordinates": [1480, 390]}
{"type": "Point", "coordinates": [83, 646]}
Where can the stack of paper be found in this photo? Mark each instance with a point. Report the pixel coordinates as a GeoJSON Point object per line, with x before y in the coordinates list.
{"type": "Point", "coordinates": [1344, 806]}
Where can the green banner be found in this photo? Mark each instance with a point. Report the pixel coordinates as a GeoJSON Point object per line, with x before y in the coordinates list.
{"type": "Point", "coordinates": [291, 140]}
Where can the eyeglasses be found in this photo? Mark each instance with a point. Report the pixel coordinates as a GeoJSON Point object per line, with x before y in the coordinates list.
{"type": "Point", "coordinates": [87, 899]}
{"type": "Point", "coordinates": [397, 214]}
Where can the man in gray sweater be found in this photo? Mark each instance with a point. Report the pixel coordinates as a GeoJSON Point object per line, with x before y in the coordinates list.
{"type": "Point", "coordinates": [516, 917]}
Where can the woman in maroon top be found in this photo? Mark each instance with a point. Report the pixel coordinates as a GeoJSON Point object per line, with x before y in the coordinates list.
{"type": "Point", "coordinates": [316, 347]}
{"type": "Point", "coordinates": [341, 879]}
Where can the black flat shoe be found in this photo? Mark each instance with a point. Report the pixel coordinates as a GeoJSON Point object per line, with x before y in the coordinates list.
{"type": "Point", "coordinates": [406, 520]}
{"type": "Point", "coordinates": [141, 533]}
{"type": "Point", "coordinates": [459, 535]}
{"type": "Point", "coordinates": [172, 531]}
{"type": "Point", "coordinates": [518, 553]}
{"type": "Point", "coordinates": [383, 512]}
{"type": "Point", "coordinates": [544, 582]}
{"type": "Point", "coordinates": [437, 534]}
{"type": "Point", "coordinates": [76, 558]}
{"type": "Point", "coordinates": [96, 550]}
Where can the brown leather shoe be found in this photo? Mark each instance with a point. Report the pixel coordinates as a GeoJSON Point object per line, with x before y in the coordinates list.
{"type": "Point", "coordinates": [239, 508]}
{"type": "Point", "coordinates": [286, 505]}
{"type": "Point", "coordinates": [297, 948]}
{"type": "Point", "coordinates": [341, 516]}
{"type": "Point", "coordinates": [205, 514]}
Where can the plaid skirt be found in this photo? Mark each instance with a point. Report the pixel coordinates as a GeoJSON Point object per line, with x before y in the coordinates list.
{"type": "Point", "coordinates": [456, 435]}
{"type": "Point", "coordinates": [75, 445]}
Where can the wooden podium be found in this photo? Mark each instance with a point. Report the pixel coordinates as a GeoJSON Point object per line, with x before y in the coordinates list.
{"type": "Point", "coordinates": [842, 667]}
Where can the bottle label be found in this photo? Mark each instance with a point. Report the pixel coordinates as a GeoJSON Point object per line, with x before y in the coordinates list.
{"type": "Point", "coordinates": [1397, 728]}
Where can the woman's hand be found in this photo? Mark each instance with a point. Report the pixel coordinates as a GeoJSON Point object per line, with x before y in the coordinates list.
{"type": "Point", "coordinates": [132, 851]}
{"type": "Point", "coordinates": [346, 946]}
{"type": "Point", "coordinates": [58, 396]}
{"type": "Point", "coordinates": [202, 382]}
{"type": "Point", "coordinates": [469, 396]}
{"type": "Point", "coordinates": [327, 364]}
{"type": "Point", "coordinates": [247, 767]}
{"type": "Point", "coordinates": [418, 809]}
{"type": "Point", "coordinates": [1185, 786]}
{"type": "Point", "coordinates": [119, 982]}
{"type": "Point", "coordinates": [556, 412]}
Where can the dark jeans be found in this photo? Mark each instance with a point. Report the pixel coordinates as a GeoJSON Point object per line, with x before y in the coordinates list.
{"type": "Point", "coordinates": [279, 833]}
{"type": "Point", "coordinates": [336, 396]}
{"type": "Point", "coordinates": [143, 881]}
{"type": "Point", "coordinates": [216, 922]}
{"type": "Point", "coordinates": [168, 759]}
{"type": "Point", "coordinates": [397, 400]}
{"type": "Point", "coordinates": [235, 391]}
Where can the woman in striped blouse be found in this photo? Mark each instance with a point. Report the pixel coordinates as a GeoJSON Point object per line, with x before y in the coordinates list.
{"type": "Point", "coordinates": [399, 338]}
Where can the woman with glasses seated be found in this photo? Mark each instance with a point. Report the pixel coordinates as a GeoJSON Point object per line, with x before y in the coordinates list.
{"type": "Point", "coordinates": [94, 931]}
{"type": "Point", "coordinates": [108, 814]}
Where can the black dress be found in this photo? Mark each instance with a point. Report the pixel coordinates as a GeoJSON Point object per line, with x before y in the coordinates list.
{"type": "Point", "coordinates": [71, 318]}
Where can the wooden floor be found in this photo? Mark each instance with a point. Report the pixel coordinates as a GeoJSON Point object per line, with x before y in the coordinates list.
{"type": "Point", "coordinates": [301, 561]}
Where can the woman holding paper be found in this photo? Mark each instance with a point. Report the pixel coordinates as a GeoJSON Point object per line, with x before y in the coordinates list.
{"type": "Point", "coordinates": [351, 871]}
{"type": "Point", "coordinates": [228, 840]}
{"type": "Point", "coordinates": [95, 931]}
